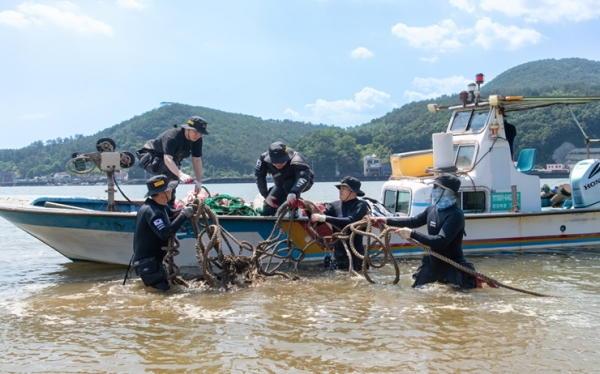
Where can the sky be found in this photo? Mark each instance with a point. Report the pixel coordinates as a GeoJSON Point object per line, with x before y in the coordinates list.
{"type": "Point", "coordinates": [78, 67]}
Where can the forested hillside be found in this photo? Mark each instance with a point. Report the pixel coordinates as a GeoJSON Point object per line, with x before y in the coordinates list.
{"type": "Point", "coordinates": [409, 128]}
{"type": "Point", "coordinates": [232, 149]}
{"type": "Point", "coordinates": [237, 140]}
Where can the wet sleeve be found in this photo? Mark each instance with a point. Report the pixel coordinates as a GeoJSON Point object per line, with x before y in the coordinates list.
{"type": "Point", "coordinates": [302, 175]}
{"type": "Point", "coordinates": [260, 176]}
{"type": "Point", "coordinates": [162, 227]}
{"type": "Point", "coordinates": [355, 214]}
{"type": "Point", "coordinates": [410, 222]}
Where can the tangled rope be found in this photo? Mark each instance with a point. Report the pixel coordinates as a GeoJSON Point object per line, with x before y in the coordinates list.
{"type": "Point", "coordinates": [225, 270]}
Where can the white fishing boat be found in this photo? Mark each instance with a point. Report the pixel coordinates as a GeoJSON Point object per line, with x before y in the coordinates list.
{"type": "Point", "coordinates": [503, 207]}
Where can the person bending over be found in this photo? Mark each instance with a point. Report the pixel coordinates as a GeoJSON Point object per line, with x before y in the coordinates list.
{"type": "Point", "coordinates": [291, 176]}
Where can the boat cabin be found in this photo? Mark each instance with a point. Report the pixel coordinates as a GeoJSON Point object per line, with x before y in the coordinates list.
{"type": "Point", "coordinates": [476, 147]}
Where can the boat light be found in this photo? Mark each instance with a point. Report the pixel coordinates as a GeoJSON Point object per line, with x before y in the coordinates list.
{"type": "Point", "coordinates": [464, 96]}
{"type": "Point", "coordinates": [471, 87]}
{"type": "Point", "coordinates": [479, 78]}
{"type": "Point", "coordinates": [432, 108]}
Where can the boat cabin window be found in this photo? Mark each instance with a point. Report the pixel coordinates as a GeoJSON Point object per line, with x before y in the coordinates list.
{"type": "Point", "coordinates": [472, 201]}
{"type": "Point", "coordinates": [470, 120]}
{"type": "Point", "coordinates": [396, 201]}
{"type": "Point", "coordinates": [463, 155]}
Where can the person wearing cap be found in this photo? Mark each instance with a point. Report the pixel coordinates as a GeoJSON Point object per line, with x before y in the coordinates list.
{"type": "Point", "coordinates": [340, 213]}
{"type": "Point", "coordinates": [154, 225]}
{"type": "Point", "coordinates": [291, 176]}
{"type": "Point", "coordinates": [164, 154]}
{"type": "Point", "coordinates": [445, 230]}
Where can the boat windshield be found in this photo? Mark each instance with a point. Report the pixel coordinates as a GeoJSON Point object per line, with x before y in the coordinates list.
{"type": "Point", "coordinates": [464, 154]}
{"type": "Point", "coordinates": [470, 120]}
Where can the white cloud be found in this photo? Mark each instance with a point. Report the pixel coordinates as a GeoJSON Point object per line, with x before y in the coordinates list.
{"type": "Point", "coordinates": [429, 59]}
{"type": "Point", "coordinates": [545, 10]}
{"type": "Point", "coordinates": [466, 5]}
{"type": "Point", "coordinates": [434, 87]}
{"type": "Point", "coordinates": [63, 15]}
{"type": "Point", "coordinates": [367, 104]}
{"type": "Point", "coordinates": [491, 34]}
{"type": "Point", "coordinates": [34, 116]}
{"type": "Point", "coordinates": [442, 37]}
{"type": "Point", "coordinates": [12, 18]}
{"type": "Point", "coordinates": [361, 52]}
{"type": "Point", "coordinates": [132, 4]}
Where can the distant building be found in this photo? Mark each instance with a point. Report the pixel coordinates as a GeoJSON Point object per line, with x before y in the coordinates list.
{"type": "Point", "coordinates": [163, 103]}
{"type": "Point", "coordinates": [579, 154]}
{"type": "Point", "coordinates": [6, 176]}
{"type": "Point", "coordinates": [372, 166]}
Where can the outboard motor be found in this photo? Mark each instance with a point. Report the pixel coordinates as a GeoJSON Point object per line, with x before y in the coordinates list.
{"type": "Point", "coordinates": [585, 183]}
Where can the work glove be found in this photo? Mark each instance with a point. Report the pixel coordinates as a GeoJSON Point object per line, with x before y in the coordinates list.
{"type": "Point", "coordinates": [188, 211]}
{"type": "Point", "coordinates": [270, 200]}
{"type": "Point", "coordinates": [291, 198]}
{"type": "Point", "coordinates": [404, 232]}
{"type": "Point", "coordinates": [380, 220]}
{"type": "Point", "coordinates": [198, 187]}
{"type": "Point", "coordinates": [318, 217]}
{"type": "Point", "coordinates": [185, 179]}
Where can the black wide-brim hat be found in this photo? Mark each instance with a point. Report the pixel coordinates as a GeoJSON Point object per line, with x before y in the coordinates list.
{"type": "Point", "coordinates": [196, 123]}
{"type": "Point", "coordinates": [159, 184]}
{"type": "Point", "coordinates": [448, 182]}
{"type": "Point", "coordinates": [353, 184]}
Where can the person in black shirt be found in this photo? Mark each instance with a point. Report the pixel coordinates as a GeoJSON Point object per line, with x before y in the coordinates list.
{"type": "Point", "coordinates": [153, 228]}
{"type": "Point", "coordinates": [291, 176]}
{"type": "Point", "coordinates": [445, 229]}
{"type": "Point", "coordinates": [163, 155]}
{"type": "Point", "coordinates": [348, 209]}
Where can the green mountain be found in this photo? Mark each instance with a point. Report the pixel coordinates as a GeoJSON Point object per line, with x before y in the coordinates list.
{"type": "Point", "coordinates": [232, 149]}
{"type": "Point", "coordinates": [409, 128]}
{"type": "Point", "coordinates": [237, 140]}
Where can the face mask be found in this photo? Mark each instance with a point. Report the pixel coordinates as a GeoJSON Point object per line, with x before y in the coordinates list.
{"type": "Point", "coordinates": [436, 193]}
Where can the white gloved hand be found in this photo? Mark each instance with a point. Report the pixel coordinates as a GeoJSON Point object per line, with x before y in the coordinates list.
{"type": "Point", "coordinates": [404, 232]}
{"type": "Point", "coordinates": [185, 179]}
{"type": "Point", "coordinates": [198, 186]}
{"type": "Point", "coordinates": [318, 217]}
{"type": "Point", "coordinates": [270, 200]}
{"type": "Point", "coordinates": [188, 211]}
{"type": "Point", "coordinates": [291, 198]}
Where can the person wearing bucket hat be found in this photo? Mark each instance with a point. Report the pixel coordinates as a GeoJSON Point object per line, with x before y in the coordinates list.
{"type": "Point", "coordinates": [164, 154]}
{"type": "Point", "coordinates": [291, 176]}
{"type": "Point", "coordinates": [445, 230]}
{"type": "Point", "coordinates": [155, 223]}
{"type": "Point", "coordinates": [340, 213]}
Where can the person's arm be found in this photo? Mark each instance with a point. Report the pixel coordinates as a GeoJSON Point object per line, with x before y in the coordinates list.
{"type": "Point", "coordinates": [174, 169]}
{"type": "Point", "coordinates": [302, 175]}
{"type": "Point", "coordinates": [260, 176]}
{"type": "Point", "coordinates": [159, 226]}
{"type": "Point", "coordinates": [410, 222]}
{"type": "Point", "coordinates": [451, 226]}
{"type": "Point", "coordinates": [197, 165]}
{"type": "Point", "coordinates": [355, 214]}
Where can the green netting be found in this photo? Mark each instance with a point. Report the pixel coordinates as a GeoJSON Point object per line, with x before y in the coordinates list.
{"type": "Point", "coordinates": [227, 205]}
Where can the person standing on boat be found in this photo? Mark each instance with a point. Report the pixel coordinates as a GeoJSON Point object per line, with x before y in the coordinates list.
{"type": "Point", "coordinates": [340, 213]}
{"type": "Point", "coordinates": [154, 225]}
{"type": "Point", "coordinates": [291, 176]}
{"type": "Point", "coordinates": [163, 155]}
{"type": "Point", "coordinates": [445, 230]}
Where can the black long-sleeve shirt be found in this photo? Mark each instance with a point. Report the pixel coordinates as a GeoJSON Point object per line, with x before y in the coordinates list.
{"type": "Point", "coordinates": [295, 169]}
{"type": "Point", "coordinates": [153, 228]}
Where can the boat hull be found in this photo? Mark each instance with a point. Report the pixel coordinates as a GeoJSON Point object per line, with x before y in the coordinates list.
{"type": "Point", "coordinates": [107, 237]}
